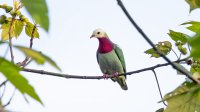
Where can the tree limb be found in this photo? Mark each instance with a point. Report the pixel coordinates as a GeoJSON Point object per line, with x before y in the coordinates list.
{"type": "Point", "coordinates": [96, 77]}
{"type": "Point", "coordinates": [152, 44]}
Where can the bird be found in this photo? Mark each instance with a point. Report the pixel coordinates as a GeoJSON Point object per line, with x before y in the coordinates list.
{"type": "Point", "coordinates": [110, 58]}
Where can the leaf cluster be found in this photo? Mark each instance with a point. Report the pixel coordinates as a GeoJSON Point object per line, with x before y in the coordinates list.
{"type": "Point", "coordinates": [14, 22]}
{"type": "Point", "coordinates": [11, 25]}
{"type": "Point", "coordinates": [186, 97]}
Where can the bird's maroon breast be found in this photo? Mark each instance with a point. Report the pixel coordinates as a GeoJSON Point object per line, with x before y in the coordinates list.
{"type": "Point", "coordinates": [105, 45]}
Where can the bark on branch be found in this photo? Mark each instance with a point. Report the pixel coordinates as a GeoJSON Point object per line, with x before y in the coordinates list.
{"type": "Point", "coordinates": [68, 76]}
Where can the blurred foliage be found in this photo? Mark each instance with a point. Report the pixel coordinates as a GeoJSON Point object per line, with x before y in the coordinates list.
{"type": "Point", "coordinates": [36, 56]}
{"type": "Point", "coordinates": [194, 4]}
{"type": "Point", "coordinates": [39, 11]}
{"type": "Point", "coordinates": [12, 73]}
{"type": "Point", "coordinates": [11, 25]}
{"type": "Point", "coordinates": [185, 98]}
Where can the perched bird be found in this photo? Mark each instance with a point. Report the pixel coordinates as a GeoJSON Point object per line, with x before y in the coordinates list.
{"type": "Point", "coordinates": [110, 58]}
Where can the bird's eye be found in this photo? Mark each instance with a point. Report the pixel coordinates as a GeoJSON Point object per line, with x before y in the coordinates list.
{"type": "Point", "coordinates": [98, 32]}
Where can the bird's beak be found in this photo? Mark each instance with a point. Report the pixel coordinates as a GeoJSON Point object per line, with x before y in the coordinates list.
{"type": "Point", "coordinates": [92, 36]}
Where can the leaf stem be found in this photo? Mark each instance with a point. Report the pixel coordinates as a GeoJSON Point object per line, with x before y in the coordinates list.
{"type": "Point", "coordinates": [175, 53]}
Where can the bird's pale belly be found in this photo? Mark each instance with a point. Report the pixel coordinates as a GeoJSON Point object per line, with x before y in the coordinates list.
{"type": "Point", "coordinates": [110, 63]}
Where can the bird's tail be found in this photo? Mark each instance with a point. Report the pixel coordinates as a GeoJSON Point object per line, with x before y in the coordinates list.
{"type": "Point", "coordinates": [122, 82]}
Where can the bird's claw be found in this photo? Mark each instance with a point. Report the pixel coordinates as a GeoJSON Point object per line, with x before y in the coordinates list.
{"type": "Point", "coordinates": [105, 76]}
{"type": "Point", "coordinates": [116, 74]}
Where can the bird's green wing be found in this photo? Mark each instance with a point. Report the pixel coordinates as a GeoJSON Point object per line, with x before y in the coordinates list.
{"type": "Point", "coordinates": [97, 56]}
{"type": "Point", "coordinates": [120, 55]}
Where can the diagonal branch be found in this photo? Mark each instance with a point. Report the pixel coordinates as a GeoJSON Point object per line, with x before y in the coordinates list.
{"type": "Point", "coordinates": [152, 44]}
{"type": "Point", "coordinates": [96, 77]}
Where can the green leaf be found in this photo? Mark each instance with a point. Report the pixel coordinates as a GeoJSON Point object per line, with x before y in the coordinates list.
{"type": "Point", "coordinates": [152, 52]}
{"type": "Point", "coordinates": [51, 62]}
{"type": "Point", "coordinates": [183, 88]}
{"type": "Point", "coordinates": [194, 4]}
{"type": "Point", "coordinates": [31, 30]}
{"type": "Point", "coordinates": [164, 47]}
{"type": "Point", "coordinates": [194, 26]}
{"type": "Point", "coordinates": [37, 56]}
{"type": "Point", "coordinates": [15, 30]}
{"type": "Point", "coordinates": [17, 27]}
{"type": "Point", "coordinates": [196, 75]}
{"type": "Point", "coordinates": [194, 43]}
{"type": "Point", "coordinates": [178, 36]}
{"type": "Point", "coordinates": [5, 31]}
{"type": "Point", "coordinates": [182, 49]}
{"type": "Point", "coordinates": [39, 12]}
{"type": "Point", "coordinates": [186, 98]}
{"type": "Point", "coordinates": [182, 68]}
{"type": "Point", "coordinates": [11, 72]}
{"type": "Point", "coordinates": [195, 65]}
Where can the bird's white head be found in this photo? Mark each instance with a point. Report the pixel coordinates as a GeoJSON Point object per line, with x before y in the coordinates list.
{"type": "Point", "coordinates": [99, 33]}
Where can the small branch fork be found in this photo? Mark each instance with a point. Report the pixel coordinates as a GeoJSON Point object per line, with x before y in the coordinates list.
{"type": "Point", "coordinates": [96, 77]}
{"type": "Point", "coordinates": [25, 61]}
{"type": "Point", "coordinates": [152, 44]}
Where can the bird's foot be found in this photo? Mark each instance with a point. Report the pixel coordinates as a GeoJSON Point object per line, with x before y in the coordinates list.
{"type": "Point", "coordinates": [116, 74]}
{"type": "Point", "coordinates": [105, 76]}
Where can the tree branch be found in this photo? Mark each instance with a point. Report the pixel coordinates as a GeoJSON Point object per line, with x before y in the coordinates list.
{"type": "Point", "coordinates": [95, 77]}
{"type": "Point", "coordinates": [10, 39]}
{"type": "Point", "coordinates": [175, 53]}
{"type": "Point", "coordinates": [3, 83]}
{"type": "Point", "coordinates": [154, 72]}
{"type": "Point", "coordinates": [24, 62]}
{"type": "Point", "coordinates": [10, 99]}
{"type": "Point", "coordinates": [152, 44]}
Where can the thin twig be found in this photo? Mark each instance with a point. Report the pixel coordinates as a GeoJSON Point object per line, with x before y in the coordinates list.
{"type": "Point", "coordinates": [4, 90]}
{"type": "Point", "coordinates": [159, 88]}
{"type": "Point", "coordinates": [3, 83]}
{"type": "Point", "coordinates": [24, 63]}
{"type": "Point", "coordinates": [6, 52]}
{"type": "Point", "coordinates": [10, 39]}
{"type": "Point", "coordinates": [188, 47]}
{"type": "Point", "coordinates": [179, 56]}
{"type": "Point", "coordinates": [152, 44]}
{"type": "Point", "coordinates": [95, 77]}
{"type": "Point", "coordinates": [10, 99]}
{"type": "Point", "coordinates": [32, 36]}
{"type": "Point", "coordinates": [175, 53]}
